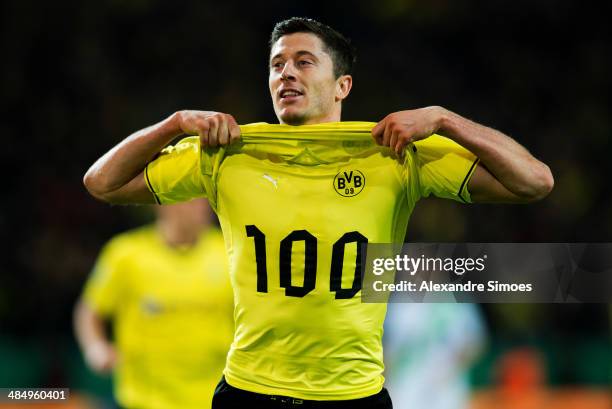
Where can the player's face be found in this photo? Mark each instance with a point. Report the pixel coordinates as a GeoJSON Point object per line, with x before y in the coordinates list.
{"type": "Point", "coordinates": [302, 83]}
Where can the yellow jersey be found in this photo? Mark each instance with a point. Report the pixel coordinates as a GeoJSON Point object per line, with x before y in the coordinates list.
{"type": "Point", "coordinates": [171, 310]}
{"type": "Point", "coordinates": [295, 204]}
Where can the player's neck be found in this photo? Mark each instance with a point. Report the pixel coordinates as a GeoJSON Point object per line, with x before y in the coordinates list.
{"type": "Point", "coordinates": [176, 235]}
{"type": "Point", "coordinates": [334, 116]}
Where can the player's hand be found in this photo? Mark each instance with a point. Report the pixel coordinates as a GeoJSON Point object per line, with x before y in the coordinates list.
{"type": "Point", "coordinates": [101, 357]}
{"type": "Point", "coordinates": [399, 129]}
{"type": "Point", "coordinates": [213, 128]}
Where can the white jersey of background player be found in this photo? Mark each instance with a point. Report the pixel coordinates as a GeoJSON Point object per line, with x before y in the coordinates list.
{"type": "Point", "coordinates": [429, 349]}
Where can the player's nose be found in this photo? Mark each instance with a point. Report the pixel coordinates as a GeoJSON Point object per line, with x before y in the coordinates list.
{"type": "Point", "coordinates": [288, 72]}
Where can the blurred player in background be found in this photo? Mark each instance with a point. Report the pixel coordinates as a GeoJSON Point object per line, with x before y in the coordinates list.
{"type": "Point", "coordinates": [165, 287]}
{"type": "Point", "coordinates": [297, 200]}
{"type": "Point", "coordinates": [429, 348]}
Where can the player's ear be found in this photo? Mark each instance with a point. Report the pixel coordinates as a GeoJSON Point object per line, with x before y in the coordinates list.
{"type": "Point", "coordinates": [344, 84]}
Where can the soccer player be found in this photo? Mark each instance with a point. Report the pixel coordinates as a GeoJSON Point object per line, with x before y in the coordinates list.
{"type": "Point", "coordinates": [297, 199]}
{"type": "Point", "coordinates": [429, 349]}
{"type": "Point", "coordinates": [166, 289]}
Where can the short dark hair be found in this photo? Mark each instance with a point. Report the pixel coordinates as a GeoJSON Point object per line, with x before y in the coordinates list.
{"type": "Point", "coordinates": [336, 45]}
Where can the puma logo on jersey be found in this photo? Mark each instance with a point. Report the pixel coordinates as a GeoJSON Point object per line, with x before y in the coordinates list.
{"type": "Point", "coordinates": [349, 183]}
{"type": "Point", "coordinates": [150, 306]}
{"type": "Point", "coordinates": [271, 180]}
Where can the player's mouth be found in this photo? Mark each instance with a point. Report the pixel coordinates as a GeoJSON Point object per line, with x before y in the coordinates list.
{"type": "Point", "coordinates": [287, 95]}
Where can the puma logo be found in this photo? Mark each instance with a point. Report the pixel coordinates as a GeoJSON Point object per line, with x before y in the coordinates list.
{"type": "Point", "coordinates": [271, 180]}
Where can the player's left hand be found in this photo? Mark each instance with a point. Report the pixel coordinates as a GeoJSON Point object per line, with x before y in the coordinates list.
{"type": "Point", "coordinates": [399, 129]}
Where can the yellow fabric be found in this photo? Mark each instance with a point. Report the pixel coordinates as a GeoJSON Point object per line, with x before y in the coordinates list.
{"type": "Point", "coordinates": [172, 317]}
{"type": "Point", "coordinates": [288, 190]}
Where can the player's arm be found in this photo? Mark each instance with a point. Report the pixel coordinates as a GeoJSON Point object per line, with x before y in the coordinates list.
{"type": "Point", "coordinates": [90, 332]}
{"type": "Point", "coordinates": [507, 171]}
{"type": "Point", "coordinates": [118, 176]}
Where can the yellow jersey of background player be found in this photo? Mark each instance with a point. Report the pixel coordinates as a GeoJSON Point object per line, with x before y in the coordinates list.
{"type": "Point", "coordinates": [166, 290]}
{"type": "Point", "coordinates": [306, 250]}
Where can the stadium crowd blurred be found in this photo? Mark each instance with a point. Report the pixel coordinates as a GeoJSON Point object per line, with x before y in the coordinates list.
{"type": "Point", "coordinates": [77, 77]}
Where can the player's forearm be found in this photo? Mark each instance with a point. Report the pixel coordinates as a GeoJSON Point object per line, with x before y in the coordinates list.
{"type": "Point", "coordinates": [90, 332]}
{"type": "Point", "coordinates": [127, 159]}
{"type": "Point", "coordinates": [511, 164]}
{"type": "Point", "coordinates": [88, 327]}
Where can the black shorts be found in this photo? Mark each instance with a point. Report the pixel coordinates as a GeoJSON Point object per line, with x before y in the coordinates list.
{"type": "Point", "coordinates": [228, 397]}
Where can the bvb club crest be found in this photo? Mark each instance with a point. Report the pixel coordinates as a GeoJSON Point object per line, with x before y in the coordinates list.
{"type": "Point", "coordinates": [349, 183]}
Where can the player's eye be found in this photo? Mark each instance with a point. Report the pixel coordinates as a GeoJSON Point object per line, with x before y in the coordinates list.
{"type": "Point", "coordinates": [276, 64]}
{"type": "Point", "coordinates": [304, 62]}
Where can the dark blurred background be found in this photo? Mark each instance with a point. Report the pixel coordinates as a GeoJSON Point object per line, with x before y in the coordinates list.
{"type": "Point", "coordinates": [77, 77]}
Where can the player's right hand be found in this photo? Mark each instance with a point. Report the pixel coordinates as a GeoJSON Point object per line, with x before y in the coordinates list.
{"type": "Point", "coordinates": [101, 357]}
{"type": "Point", "coordinates": [213, 128]}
